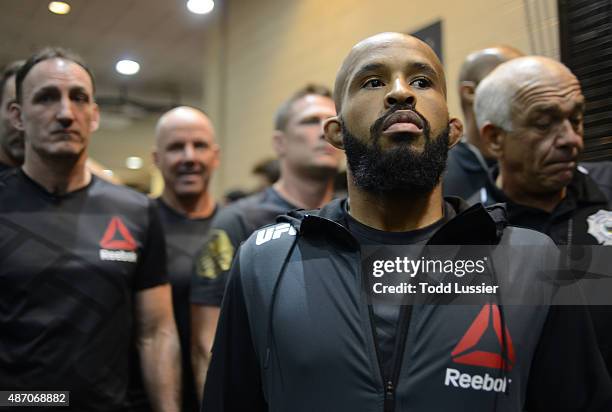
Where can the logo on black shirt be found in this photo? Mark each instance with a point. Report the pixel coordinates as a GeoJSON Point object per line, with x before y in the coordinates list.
{"type": "Point", "coordinates": [466, 352]}
{"type": "Point", "coordinates": [117, 244]}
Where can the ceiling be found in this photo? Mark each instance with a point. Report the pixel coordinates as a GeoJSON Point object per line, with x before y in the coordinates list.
{"type": "Point", "coordinates": [162, 35]}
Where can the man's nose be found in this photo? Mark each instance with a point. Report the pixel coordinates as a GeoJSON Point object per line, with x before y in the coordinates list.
{"type": "Point", "coordinates": [65, 115]}
{"type": "Point", "coordinates": [400, 93]}
{"type": "Point", "coordinates": [188, 152]}
{"type": "Point", "coordinates": [570, 136]}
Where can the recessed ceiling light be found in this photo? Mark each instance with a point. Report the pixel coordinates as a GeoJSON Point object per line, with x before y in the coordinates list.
{"type": "Point", "coordinates": [127, 67]}
{"type": "Point", "coordinates": [108, 172]}
{"type": "Point", "coordinates": [59, 7]}
{"type": "Point", "coordinates": [133, 162]}
{"type": "Point", "coordinates": [200, 6]}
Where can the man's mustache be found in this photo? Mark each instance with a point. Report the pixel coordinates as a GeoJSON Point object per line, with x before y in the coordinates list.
{"type": "Point", "coordinates": [377, 127]}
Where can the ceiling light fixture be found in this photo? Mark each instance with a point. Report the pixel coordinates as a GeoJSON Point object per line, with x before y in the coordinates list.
{"type": "Point", "coordinates": [127, 67]}
{"type": "Point", "coordinates": [59, 7]}
{"type": "Point", "coordinates": [200, 6]}
{"type": "Point", "coordinates": [133, 162]}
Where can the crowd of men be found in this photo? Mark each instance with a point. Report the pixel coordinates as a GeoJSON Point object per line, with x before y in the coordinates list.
{"type": "Point", "coordinates": [180, 304]}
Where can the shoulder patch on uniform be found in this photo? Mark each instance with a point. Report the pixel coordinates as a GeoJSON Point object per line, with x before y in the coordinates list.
{"type": "Point", "coordinates": [217, 255]}
{"type": "Point", "coordinates": [273, 232]}
{"type": "Point", "coordinates": [600, 226]}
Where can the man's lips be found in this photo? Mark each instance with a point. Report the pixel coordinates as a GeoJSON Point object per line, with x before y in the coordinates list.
{"type": "Point", "coordinates": [66, 132]}
{"type": "Point", "coordinates": [403, 121]}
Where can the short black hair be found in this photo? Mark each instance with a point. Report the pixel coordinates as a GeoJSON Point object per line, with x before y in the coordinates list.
{"type": "Point", "coordinates": [48, 53]}
{"type": "Point", "coordinates": [284, 111]}
{"type": "Point", "coordinates": [8, 71]}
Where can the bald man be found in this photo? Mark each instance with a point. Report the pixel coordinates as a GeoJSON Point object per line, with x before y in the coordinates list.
{"type": "Point", "coordinates": [536, 132]}
{"type": "Point", "coordinates": [307, 325]}
{"type": "Point", "coordinates": [470, 160]}
{"type": "Point", "coordinates": [186, 154]}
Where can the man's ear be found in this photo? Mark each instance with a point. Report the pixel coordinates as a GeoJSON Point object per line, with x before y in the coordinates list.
{"type": "Point", "coordinates": [455, 131]}
{"type": "Point", "coordinates": [15, 116]}
{"type": "Point", "coordinates": [332, 130]}
{"type": "Point", "coordinates": [493, 137]}
{"type": "Point", "coordinates": [467, 90]}
{"type": "Point", "coordinates": [155, 156]}
{"type": "Point", "coordinates": [279, 143]}
{"type": "Point", "coordinates": [217, 156]}
{"type": "Point", "coordinates": [95, 119]}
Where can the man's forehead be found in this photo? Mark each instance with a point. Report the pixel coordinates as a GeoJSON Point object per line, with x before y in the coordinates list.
{"type": "Point", "coordinates": [550, 89]}
{"type": "Point", "coordinates": [312, 103]}
{"type": "Point", "coordinates": [394, 43]}
{"type": "Point", "coordinates": [55, 71]}
{"type": "Point", "coordinates": [183, 123]}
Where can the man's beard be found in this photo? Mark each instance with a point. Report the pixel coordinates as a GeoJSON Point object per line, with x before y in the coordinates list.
{"type": "Point", "coordinates": [396, 170]}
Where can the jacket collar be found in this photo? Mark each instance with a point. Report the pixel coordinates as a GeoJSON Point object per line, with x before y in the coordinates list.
{"type": "Point", "coordinates": [331, 221]}
{"type": "Point", "coordinates": [581, 191]}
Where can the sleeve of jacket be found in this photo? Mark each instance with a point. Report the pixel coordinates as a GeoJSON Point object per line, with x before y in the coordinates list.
{"type": "Point", "coordinates": [568, 372]}
{"type": "Point", "coordinates": [233, 382]}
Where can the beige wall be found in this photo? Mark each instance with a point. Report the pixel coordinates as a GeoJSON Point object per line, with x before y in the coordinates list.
{"type": "Point", "coordinates": [269, 48]}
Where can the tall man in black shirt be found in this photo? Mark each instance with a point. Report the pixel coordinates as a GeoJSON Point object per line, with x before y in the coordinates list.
{"type": "Point", "coordinates": [308, 166]}
{"type": "Point", "coordinates": [187, 154]}
{"type": "Point", "coordinates": [11, 139]}
{"type": "Point", "coordinates": [469, 161]}
{"type": "Point", "coordinates": [79, 257]}
{"type": "Point", "coordinates": [530, 111]}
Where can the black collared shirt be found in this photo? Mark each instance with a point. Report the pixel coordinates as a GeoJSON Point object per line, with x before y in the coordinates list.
{"type": "Point", "coordinates": [567, 224]}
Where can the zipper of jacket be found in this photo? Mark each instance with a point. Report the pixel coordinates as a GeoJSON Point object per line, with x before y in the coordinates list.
{"type": "Point", "coordinates": [390, 381]}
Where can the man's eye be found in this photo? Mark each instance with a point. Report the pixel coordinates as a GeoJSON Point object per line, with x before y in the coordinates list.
{"type": "Point", "coordinates": [373, 84]}
{"type": "Point", "coordinates": [576, 120]}
{"type": "Point", "coordinates": [421, 83]}
{"type": "Point", "coordinates": [81, 98]}
{"type": "Point", "coordinates": [44, 98]}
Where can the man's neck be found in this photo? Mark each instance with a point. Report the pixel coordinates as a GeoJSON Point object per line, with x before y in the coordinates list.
{"type": "Point", "coordinates": [7, 160]}
{"type": "Point", "coordinates": [471, 133]}
{"type": "Point", "coordinates": [401, 212]}
{"type": "Point", "coordinates": [194, 207]}
{"type": "Point", "coordinates": [57, 176]}
{"type": "Point", "coordinates": [306, 193]}
{"type": "Point", "coordinates": [547, 202]}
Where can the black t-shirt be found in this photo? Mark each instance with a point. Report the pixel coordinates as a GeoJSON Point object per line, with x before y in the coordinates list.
{"type": "Point", "coordinates": [4, 167]}
{"type": "Point", "coordinates": [69, 268]}
{"type": "Point", "coordinates": [466, 171]}
{"type": "Point", "coordinates": [184, 239]}
{"type": "Point", "coordinates": [386, 315]}
{"type": "Point", "coordinates": [230, 227]}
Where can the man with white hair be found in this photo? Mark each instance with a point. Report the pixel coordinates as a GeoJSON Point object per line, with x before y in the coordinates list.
{"type": "Point", "coordinates": [530, 111]}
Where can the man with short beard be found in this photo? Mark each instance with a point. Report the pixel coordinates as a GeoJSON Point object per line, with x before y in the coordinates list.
{"type": "Point", "coordinates": [300, 329]}
{"type": "Point", "coordinates": [11, 139]}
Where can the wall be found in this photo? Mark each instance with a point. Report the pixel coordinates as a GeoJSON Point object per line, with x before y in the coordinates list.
{"type": "Point", "coordinates": [259, 52]}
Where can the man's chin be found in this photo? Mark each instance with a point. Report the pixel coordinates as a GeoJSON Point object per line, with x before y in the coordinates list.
{"type": "Point", "coordinates": [321, 170]}
{"type": "Point", "coordinates": [188, 191]}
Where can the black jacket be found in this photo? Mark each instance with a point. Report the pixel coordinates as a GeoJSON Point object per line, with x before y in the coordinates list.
{"type": "Point", "coordinates": [295, 331]}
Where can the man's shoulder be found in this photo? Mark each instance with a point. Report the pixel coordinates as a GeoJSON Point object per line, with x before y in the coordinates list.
{"type": "Point", "coordinates": [251, 212]}
{"type": "Point", "coordinates": [121, 195]}
{"type": "Point", "coordinates": [601, 174]}
{"type": "Point", "coordinates": [522, 236]}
